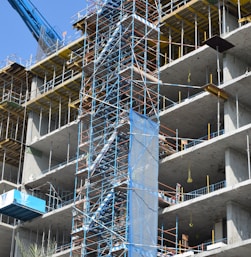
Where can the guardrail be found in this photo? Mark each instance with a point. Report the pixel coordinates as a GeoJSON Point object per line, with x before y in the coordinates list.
{"type": "Point", "coordinates": [204, 138]}
{"type": "Point", "coordinates": [63, 247]}
{"type": "Point", "coordinates": [69, 74]}
{"type": "Point", "coordinates": [11, 96]}
{"type": "Point", "coordinates": [61, 164]}
{"type": "Point", "coordinates": [173, 5]}
{"type": "Point", "coordinates": [204, 190]}
{"type": "Point", "coordinates": [65, 200]}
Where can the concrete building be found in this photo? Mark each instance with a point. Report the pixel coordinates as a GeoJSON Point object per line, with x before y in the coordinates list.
{"type": "Point", "coordinates": [135, 136]}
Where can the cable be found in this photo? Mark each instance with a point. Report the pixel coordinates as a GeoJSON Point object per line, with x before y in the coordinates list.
{"type": "Point", "coordinates": [181, 85]}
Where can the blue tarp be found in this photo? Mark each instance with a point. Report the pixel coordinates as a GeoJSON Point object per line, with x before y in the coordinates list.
{"type": "Point", "coordinates": [143, 186]}
{"type": "Point", "coordinates": [21, 206]}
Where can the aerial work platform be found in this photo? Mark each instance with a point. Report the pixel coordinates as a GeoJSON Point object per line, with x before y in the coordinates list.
{"type": "Point", "coordinates": [21, 205]}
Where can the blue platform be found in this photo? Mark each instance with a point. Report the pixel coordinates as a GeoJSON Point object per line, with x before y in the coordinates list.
{"type": "Point", "coordinates": [21, 206]}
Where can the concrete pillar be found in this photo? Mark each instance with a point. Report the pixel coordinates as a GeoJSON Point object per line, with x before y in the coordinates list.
{"type": "Point", "coordinates": [235, 116]}
{"type": "Point", "coordinates": [229, 22]}
{"type": "Point", "coordinates": [36, 87]}
{"type": "Point", "coordinates": [36, 163]}
{"type": "Point", "coordinates": [233, 67]}
{"type": "Point", "coordinates": [236, 166]}
{"type": "Point", "coordinates": [238, 223]}
{"type": "Point", "coordinates": [34, 130]}
{"type": "Point", "coordinates": [32, 127]}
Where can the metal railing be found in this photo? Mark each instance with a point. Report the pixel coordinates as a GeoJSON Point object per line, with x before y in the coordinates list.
{"type": "Point", "coordinates": [173, 5]}
{"type": "Point", "coordinates": [14, 59]}
{"type": "Point", "coordinates": [204, 190]}
{"type": "Point", "coordinates": [69, 74]}
{"type": "Point", "coordinates": [61, 164]}
{"type": "Point", "coordinates": [13, 97]}
{"type": "Point", "coordinates": [204, 138]}
{"type": "Point", "coordinates": [59, 203]}
{"type": "Point", "coordinates": [166, 103]}
{"type": "Point", "coordinates": [203, 247]}
{"type": "Point", "coordinates": [63, 247]}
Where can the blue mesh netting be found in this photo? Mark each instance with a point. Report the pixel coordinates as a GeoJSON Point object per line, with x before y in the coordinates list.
{"type": "Point", "coordinates": [143, 186]}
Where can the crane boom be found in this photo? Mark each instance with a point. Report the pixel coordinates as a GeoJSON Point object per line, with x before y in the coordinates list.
{"type": "Point", "coordinates": [43, 32]}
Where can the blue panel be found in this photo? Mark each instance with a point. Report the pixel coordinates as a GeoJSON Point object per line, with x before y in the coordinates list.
{"type": "Point", "coordinates": [143, 186]}
{"type": "Point", "coordinates": [21, 206]}
{"type": "Point", "coordinates": [29, 201]}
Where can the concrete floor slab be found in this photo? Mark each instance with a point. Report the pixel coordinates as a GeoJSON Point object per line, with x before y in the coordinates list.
{"type": "Point", "coordinates": [58, 219]}
{"type": "Point", "coordinates": [238, 249]}
{"type": "Point", "coordinates": [59, 138]}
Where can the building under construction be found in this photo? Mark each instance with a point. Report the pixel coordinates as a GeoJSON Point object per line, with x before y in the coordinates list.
{"type": "Point", "coordinates": [134, 139]}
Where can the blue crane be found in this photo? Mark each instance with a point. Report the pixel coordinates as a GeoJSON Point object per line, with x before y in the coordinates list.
{"type": "Point", "coordinates": [42, 31]}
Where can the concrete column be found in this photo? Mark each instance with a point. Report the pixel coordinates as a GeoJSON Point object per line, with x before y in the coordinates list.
{"type": "Point", "coordinates": [236, 166]}
{"type": "Point", "coordinates": [229, 22]}
{"type": "Point", "coordinates": [32, 129]}
{"type": "Point", "coordinates": [36, 87]}
{"type": "Point", "coordinates": [35, 164]}
{"type": "Point", "coordinates": [235, 115]}
{"type": "Point", "coordinates": [244, 115]}
{"type": "Point", "coordinates": [233, 67]}
{"type": "Point", "coordinates": [238, 223]}
{"type": "Point", "coordinates": [230, 120]}
{"type": "Point", "coordinates": [37, 124]}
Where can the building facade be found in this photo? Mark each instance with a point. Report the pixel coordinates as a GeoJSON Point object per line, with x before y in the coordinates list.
{"type": "Point", "coordinates": [135, 135]}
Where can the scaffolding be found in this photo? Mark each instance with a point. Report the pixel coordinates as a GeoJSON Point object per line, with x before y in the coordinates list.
{"type": "Point", "coordinates": [14, 84]}
{"type": "Point", "coordinates": [119, 62]}
{"type": "Point", "coordinates": [125, 43]}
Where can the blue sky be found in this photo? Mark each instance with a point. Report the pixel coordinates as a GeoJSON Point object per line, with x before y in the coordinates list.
{"type": "Point", "coordinates": [17, 40]}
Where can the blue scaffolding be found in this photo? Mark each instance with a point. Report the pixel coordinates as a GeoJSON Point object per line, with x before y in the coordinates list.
{"type": "Point", "coordinates": [118, 132]}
